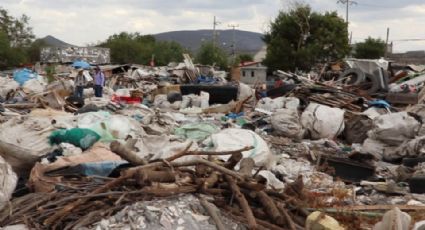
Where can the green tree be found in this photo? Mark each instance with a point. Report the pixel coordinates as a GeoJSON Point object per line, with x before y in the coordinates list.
{"type": "Point", "coordinates": [166, 52]}
{"type": "Point", "coordinates": [33, 51]}
{"type": "Point", "coordinates": [15, 38]}
{"type": "Point", "coordinates": [370, 49]}
{"type": "Point", "coordinates": [17, 29]}
{"type": "Point", "coordinates": [209, 54]}
{"type": "Point", "coordinates": [245, 57]}
{"type": "Point", "coordinates": [5, 50]}
{"type": "Point", "coordinates": [136, 48]}
{"type": "Point", "coordinates": [300, 38]}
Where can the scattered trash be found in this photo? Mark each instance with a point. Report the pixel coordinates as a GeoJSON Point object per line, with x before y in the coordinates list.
{"type": "Point", "coordinates": [181, 147]}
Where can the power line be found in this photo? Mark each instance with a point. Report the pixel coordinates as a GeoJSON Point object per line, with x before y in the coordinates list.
{"type": "Point", "coordinates": [410, 40]}
{"type": "Point", "coordinates": [376, 6]}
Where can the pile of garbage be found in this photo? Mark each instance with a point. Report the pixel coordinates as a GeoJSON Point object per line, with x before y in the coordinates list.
{"type": "Point", "coordinates": [181, 147]}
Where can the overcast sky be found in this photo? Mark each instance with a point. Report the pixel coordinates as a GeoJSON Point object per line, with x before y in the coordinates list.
{"type": "Point", "coordinates": [81, 22]}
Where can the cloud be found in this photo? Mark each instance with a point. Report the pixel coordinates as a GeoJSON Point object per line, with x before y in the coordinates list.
{"type": "Point", "coordinates": [86, 21]}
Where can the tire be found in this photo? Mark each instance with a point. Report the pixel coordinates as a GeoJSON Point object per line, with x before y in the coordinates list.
{"type": "Point", "coordinates": [371, 84]}
{"type": "Point", "coordinates": [352, 76]}
{"type": "Point", "coordinates": [412, 162]}
{"type": "Point", "coordinates": [75, 101]}
{"type": "Point", "coordinates": [174, 96]}
{"type": "Point", "coordinates": [280, 91]}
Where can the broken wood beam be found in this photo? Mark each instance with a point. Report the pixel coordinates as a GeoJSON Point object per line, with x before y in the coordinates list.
{"type": "Point", "coordinates": [127, 154]}
{"type": "Point", "coordinates": [270, 208]}
{"type": "Point", "coordinates": [212, 211]}
{"type": "Point", "coordinates": [246, 166]}
{"type": "Point", "coordinates": [243, 203]}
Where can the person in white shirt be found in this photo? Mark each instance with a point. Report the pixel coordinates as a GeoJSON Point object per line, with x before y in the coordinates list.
{"type": "Point", "coordinates": [80, 82]}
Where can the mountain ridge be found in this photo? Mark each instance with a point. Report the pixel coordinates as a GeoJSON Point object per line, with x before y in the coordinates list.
{"type": "Point", "coordinates": [246, 41]}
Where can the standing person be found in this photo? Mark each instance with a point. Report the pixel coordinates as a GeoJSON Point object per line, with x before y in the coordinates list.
{"type": "Point", "coordinates": [99, 82]}
{"type": "Point", "coordinates": [80, 82]}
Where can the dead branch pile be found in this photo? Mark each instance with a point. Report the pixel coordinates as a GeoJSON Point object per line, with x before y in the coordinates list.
{"type": "Point", "coordinates": [79, 202]}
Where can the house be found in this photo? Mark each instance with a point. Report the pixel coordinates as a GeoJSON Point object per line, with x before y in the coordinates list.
{"type": "Point", "coordinates": [252, 73]}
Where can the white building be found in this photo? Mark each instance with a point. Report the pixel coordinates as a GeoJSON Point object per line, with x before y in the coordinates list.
{"type": "Point", "coordinates": [253, 73]}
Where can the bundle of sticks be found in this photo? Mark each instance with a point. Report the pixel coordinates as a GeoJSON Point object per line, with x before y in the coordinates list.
{"type": "Point", "coordinates": [238, 193]}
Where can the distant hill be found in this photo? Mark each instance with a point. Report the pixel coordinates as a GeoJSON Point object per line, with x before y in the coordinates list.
{"type": "Point", "coordinates": [246, 42]}
{"type": "Point", "coordinates": [52, 41]}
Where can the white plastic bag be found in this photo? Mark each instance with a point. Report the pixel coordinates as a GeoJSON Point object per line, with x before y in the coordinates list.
{"type": "Point", "coordinates": [269, 104]}
{"type": "Point", "coordinates": [322, 121]}
{"type": "Point", "coordinates": [234, 139]}
{"type": "Point", "coordinates": [205, 98]}
{"type": "Point", "coordinates": [107, 125]}
{"type": "Point", "coordinates": [154, 147]}
{"type": "Point", "coordinates": [411, 148]}
{"type": "Point", "coordinates": [33, 86]}
{"type": "Point", "coordinates": [8, 181]}
{"type": "Point", "coordinates": [272, 105]}
{"type": "Point", "coordinates": [394, 128]}
{"type": "Point", "coordinates": [394, 219]}
{"type": "Point", "coordinates": [7, 85]}
{"type": "Point", "coordinates": [376, 148]}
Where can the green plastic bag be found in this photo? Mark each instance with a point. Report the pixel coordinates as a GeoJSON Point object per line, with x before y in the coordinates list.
{"type": "Point", "coordinates": [83, 138]}
{"type": "Point", "coordinates": [196, 131]}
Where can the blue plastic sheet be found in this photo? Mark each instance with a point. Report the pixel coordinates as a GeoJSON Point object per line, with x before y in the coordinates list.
{"type": "Point", "coordinates": [205, 80]}
{"type": "Point", "coordinates": [23, 75]}
{"type": "Point", "coordinates": [234, 115]}
{"type": "Point", "coordinates": [81, 65]}
{"type": "Point", "coordinates": [102, 168]}
{"type": "Point", "coordinates": [379, 104]}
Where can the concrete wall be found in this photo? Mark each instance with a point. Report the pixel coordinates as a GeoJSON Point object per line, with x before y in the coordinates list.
{"type": "Point", "coordinates": [252, 75]}
{"type": "Point", "coordinates": [93, 55]}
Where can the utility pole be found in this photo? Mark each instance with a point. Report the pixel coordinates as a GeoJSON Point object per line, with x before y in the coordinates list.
{"type": "Point", "coordinates": [215, 23]}
{"type": "Point", "coordinates": [234, 26]}
{"type": "Point", "coordinates": [347, 4]}
{"type": "Point", "coordinates": [386, 42]}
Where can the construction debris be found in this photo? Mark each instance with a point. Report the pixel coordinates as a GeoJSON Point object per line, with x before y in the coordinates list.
{"type": "Point", "coordinates": [181, 147]}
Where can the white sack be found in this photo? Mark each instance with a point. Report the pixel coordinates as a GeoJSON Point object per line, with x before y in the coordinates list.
{"type": "Point", "coordinates": [205, 98]}
{"type": "Point", "coordinates": [234, 139]}
{"type": "Point", "coordinates": [8, 181]}
{"type": "Point", "coordinates": [33, 86]}
{"type": "Point", "coordinates": [322, 121]}
{"type": "Point", "coordinates": [286, 122]}
{"type": "Point", "coordinates": [155, 147]}
{"type": "Point", "coordinates": [23, 140]}
{"type": "Point", "coordinates": [7, 85]}
{"type": "Point", "coordinates": [376, 148]}
{"type": "Point", "coordinates": [411, 148]}
{"type": "Point", "coordinates": [269, 104]}
{"type": "Point", "coordinates": [394, 128]}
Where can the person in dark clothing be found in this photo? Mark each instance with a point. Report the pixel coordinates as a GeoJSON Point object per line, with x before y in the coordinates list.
{"type": "Point", "coordinates": [99, 82]}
